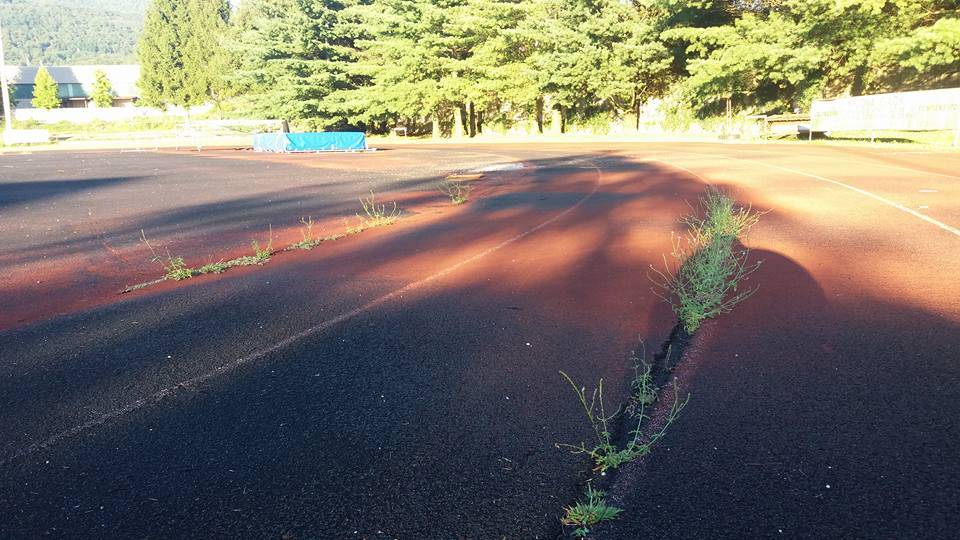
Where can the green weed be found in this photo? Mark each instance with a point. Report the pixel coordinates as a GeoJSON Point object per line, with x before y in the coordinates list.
{"type": "Point", "coordinates": [457, 190]}
{"type": "Point", "coordinates": [705, 273]}
{"type": "Point", "coordinates": [644, 391]}
{"type": "Point", "coordinates": [262, 255]}
{"type": "Point", "coordinates": [174, 268]}
{"type": "Point", "coordinates": [605, 454]}
{"type": "Point", "coordinates": [588, 512]}
{"type": "Point", "coordinates": [374, 214]}
{"type": "Point", "coordinates": [214, 268]}
{"type": "Point", "coordinates": [719, 217]}
{"type": "Point", "coordinates": [309, 240]}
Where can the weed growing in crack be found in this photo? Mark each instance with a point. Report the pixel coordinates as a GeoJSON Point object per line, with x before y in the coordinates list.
{"type": "Point", "coordinates": [309, 240]}
{"type": "Point", "coordinates": [644, 391]}
{"type": "Point", "coordinates": [705, 273]}
{"type": "Point", "coordinates": [374, 214]}
{"type": "Point", "coordinates": [720, 217]}
{"type": "Point", "coordinates": [262, 255]}
{"type": "Point", "coordinates": [587, 512]}
{"type": "Point", "coordinates": [457, 190]}
{"type": "Point", "coordinates": [605, 454]}
{"type": "Point", "coordinates": [214, 268]}
{"type": "Point", "coordinates": [174, 268]}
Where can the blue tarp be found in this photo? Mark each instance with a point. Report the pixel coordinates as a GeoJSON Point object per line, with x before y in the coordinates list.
{"type": "Point", "coordinates": [309, 142]}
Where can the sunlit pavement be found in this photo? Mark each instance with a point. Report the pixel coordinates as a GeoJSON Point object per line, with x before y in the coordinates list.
{"type": "Point", "coordinates": [403, 382]}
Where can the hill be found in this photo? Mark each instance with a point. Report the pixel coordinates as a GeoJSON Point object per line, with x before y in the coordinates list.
{"type": "Point", "coordinates": [56, 32]}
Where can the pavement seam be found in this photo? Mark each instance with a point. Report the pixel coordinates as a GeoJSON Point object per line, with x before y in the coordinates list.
{"type": "Point", "coordinates": [177, 388]}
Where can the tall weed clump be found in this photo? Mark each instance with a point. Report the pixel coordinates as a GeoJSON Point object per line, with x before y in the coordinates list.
{"type": "Point", "coordinates": [705, 273]}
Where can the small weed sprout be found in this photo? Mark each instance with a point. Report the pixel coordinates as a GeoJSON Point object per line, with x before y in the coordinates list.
{"type": "Point", "coordinates": [604, 453]}
{"type": "Point", "coordinates": [309, 240]}
{"type": "Point", "coordinates": [588, 512]}
{"type": "Point", "coordinates": [704, 276]}
{"type": "Point", "coordinates": [458, 191]}
{"type": "Point", "coordinates": [307, 229]}
{"type": "Point", "coordinates": [263, 255]}
{"type": "Point", "coordinates": [644, 391]}
{"type": "Point", "coordinates": [375, 214]}
{"type": "Point", "coordinates": [174, 268]}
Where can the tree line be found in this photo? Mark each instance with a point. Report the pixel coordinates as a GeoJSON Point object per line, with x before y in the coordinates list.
{"type": "Point", "coordinates": [462, 66]}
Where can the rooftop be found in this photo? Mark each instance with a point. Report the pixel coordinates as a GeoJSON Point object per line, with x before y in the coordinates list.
{"type": "Point", "coordinates": [123, 78]}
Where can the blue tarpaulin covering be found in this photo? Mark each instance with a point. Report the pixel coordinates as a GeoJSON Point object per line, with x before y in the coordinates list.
{"type": "Point", "coordinates": [309, 142]}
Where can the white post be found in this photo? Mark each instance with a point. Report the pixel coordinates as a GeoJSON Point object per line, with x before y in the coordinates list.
{"type": "Point", "coordinates": [7, 116]}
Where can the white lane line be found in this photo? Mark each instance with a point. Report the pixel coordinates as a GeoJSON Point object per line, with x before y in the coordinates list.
{"type": "Point", "coordinates": [937, 223]}
{"type": "Point", "coordinates": [257, 355]}
{"type": "Point", "coordinates": [914, 171]}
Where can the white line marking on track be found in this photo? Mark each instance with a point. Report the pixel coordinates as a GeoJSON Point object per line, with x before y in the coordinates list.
{"type": "Point", "coordinates": [948, 228]}
{"type": "Point", "coordinates": [257, 355]}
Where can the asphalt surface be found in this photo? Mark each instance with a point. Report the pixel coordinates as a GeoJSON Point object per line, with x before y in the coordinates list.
{"type": "Point", "coordinates": [402, 383]}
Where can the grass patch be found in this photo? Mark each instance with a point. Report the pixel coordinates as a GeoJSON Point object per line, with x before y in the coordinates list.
{"type": "Point", "coordinates": [706, 270]}
{"type": "Point", "coordinates": [214, 268]}
{"type": "Point", "coordinates": [456, 190]}
{"type": "Point", "coordinates": [589, 511]}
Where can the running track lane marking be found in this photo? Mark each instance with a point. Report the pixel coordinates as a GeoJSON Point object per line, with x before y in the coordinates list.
{"type": "Point", "coordinates": [948, 228]}
{"type": "Point", "coordinates": [172, 391]}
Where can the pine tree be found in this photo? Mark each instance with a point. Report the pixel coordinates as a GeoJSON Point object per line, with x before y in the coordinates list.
{"type": "Point", "coordinates": [415, 56]}
{"type": "Point", "coordinates": [102, 90]}
{"type": "Point", "coordinates": [180, 52]}
{"type": "Point", "coordinates": [291, 57]}
{"type": "Point", "coordinates": [46, 95]}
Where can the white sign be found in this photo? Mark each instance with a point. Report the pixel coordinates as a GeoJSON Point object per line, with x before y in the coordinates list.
{"type": "Point", "coordinates": [928, 110]}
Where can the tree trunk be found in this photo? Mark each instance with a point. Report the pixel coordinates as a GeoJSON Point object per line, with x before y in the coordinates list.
{"type": "Point", "coordinates": [538, 114]}
{"type": "Point", "coordinates": [457, 122]}
{"type": "Point", "coordinates": [556, 120]}
{"type": "Point", "coordinates": [436, 126]}
{"type": "Point", "coordinates": [636, 110]}
{"type": "Point", "coordinates": [472, 119]}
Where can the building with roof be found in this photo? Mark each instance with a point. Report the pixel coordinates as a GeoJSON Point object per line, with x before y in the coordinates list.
{"type": "Point", "coordinates": [75, 84]}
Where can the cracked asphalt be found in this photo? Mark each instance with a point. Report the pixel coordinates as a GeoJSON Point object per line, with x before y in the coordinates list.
{"type": "Point", "coordinates": [403, 382]}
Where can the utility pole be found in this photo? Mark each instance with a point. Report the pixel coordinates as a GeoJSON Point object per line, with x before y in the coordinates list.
{"type": "Point", "coordinates": [7, 116]}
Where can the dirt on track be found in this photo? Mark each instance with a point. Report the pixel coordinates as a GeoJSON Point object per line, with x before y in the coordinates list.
{"type": "Point", "coordinates": [434, 413]}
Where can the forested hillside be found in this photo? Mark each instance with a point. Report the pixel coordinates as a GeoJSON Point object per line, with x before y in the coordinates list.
{"type": "Point", "coordinates": [55, 32]}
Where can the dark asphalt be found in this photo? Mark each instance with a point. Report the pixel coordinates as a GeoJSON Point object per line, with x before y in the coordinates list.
{"type": "Point", "coordinates": [189, 411]}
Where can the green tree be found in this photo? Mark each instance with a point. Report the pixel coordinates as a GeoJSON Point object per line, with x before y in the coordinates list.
{"type": "Point", "coordinates": [46, 95]}
{"type": "Point", "coordinates": [927, 57]}
{"type": "Point", "coordinates": [290, 56]}
{"type": "Point", "coordinates": [581, 54]}
{"type": "Point", "coordinates": [102, 89]}
{"type": "Point", "coordinates": [414, 57]}
{"type": "Point", "coordinates": [181, 54]}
